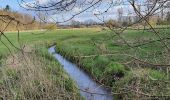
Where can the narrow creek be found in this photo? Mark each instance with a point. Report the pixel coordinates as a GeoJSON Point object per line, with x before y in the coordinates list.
{"type": "Point", "coordinates": [89, 89]}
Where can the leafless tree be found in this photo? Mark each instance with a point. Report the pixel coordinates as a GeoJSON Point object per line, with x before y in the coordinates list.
{"type": "Point", "coordinates": [120, 14]}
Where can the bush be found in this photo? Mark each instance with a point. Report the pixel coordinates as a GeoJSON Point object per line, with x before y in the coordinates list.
{"type": "Point", "coordinates": [113, 72]}
{"type": "Point", "coordinates": [51, 26]}
{"type": "Point", "coordinates": [113, 24]}
{"type": "Point", "coordinates": [101, 62]}
{"type": "Point", "coordinates": [115, 67]}
{"type": "Point", "coordinates": [156, 75]}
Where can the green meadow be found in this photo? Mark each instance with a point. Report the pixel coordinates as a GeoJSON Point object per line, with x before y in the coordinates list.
{"type": "Point", "coordinates": [106, 57]}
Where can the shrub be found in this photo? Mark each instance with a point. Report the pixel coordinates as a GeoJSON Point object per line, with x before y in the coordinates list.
{"type": "Point", "coordinates": [115, 67]}
{"type": "Point", "coordinates": [113, 24]}
{"type": "Point", "coordinates": [101, 62]}
{"type": "Point", "coordinates": [156, 75]}
{"type": "Point", "coordinates": [113, 72]}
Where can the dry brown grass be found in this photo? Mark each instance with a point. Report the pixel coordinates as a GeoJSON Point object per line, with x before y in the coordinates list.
{"type": "Point", "coordinates": [35, 77]}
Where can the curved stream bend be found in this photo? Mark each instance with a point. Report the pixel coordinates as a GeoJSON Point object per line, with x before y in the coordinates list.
{"type": "Point", "coordinates": [89, 88]}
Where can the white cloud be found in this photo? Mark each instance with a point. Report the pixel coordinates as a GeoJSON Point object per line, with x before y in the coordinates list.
{"type": "Point", "coordinates": [33, 3]}
{"type": "Point", "coordinates": [96, 12]}
{"type": "Point", "coordinates": [42, 1]}
{"type": "Point", "coordinates": [77, 10]}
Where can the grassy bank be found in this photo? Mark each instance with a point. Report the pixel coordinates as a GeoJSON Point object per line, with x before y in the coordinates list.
{"type": "Point", "coordinates": [35, 75]}
{"type": "Point", "coordinates": [106, 58]}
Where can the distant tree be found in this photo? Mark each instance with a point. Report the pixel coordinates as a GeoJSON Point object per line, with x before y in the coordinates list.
{"type": "Point", "coordinates": [168, 8]}
{"type": "Point", "coordinates": [168, 17]}
{"type": "Point", "coordinates": [139, 9]}
{"type": "Point", "coordinates": [90, 22]}
{"type": "Point", "coordinates": [75, 23]}
{"type": "Point", "coordinates": [113, 24]}
{"type": "Point", "coordinates": [153, 20]}
{"type": "Point", "coordinates": [165, 7]}
{"type": "Point", "coordinates": [7, 8]}
{"type": "Point", "coordinates": [120, 14]}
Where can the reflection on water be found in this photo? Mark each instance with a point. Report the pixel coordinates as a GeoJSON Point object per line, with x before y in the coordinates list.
{"type": "Point", "coordinates": [89, 88]}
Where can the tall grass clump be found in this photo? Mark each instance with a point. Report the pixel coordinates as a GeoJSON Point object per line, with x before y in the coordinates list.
{"type": "Point", "coordinates": [143, 83]}
{"type": "Point", "coordinates": [35, 76]}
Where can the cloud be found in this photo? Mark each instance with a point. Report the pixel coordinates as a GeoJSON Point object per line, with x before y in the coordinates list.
{"type": "Point", "coordinates": [96, 12]}
{"type": "Point", "coordinates": [77, 9]}
{"type": "Point", "coordinates": [33, 3]}
{"type": "Point", "coordinates": [42, 1]}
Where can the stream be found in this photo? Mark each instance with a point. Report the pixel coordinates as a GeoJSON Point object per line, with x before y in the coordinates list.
{"type": "Point", "coordinates": [89, 89]}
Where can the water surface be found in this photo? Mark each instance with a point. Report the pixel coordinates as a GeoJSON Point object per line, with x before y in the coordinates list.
{"type": "Point", "coordinates": [89, 89]}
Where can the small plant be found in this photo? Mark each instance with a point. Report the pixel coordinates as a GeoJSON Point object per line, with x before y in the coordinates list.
{"type": "Point", "coordinates": [101, 62]}
{"type": "Point", "coordinates": [115, 67]}
{"type": "Point", "coordinates": [156, 75]}
{"type": "Point", "coordinates": [113, 72]}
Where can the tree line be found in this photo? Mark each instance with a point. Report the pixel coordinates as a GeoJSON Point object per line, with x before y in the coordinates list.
{"type": "Point", "coordinates": [31, 22]}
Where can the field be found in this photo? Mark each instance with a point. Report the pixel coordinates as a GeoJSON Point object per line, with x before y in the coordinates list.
{"type": "Point", "coordinates": [105, 56]}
